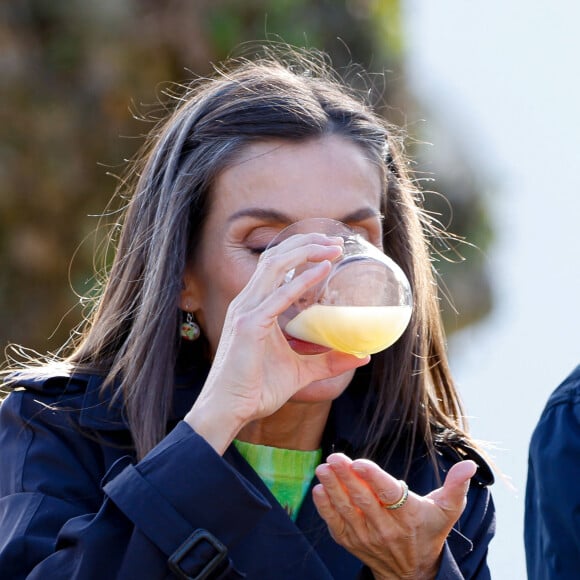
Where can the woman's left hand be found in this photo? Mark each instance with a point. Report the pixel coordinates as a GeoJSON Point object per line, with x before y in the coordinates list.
{"type": "Point", "coordinates": [405, 542]}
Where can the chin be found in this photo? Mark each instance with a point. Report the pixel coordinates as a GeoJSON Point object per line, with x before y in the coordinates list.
{"type": "Point", "coordinates": [323, 390]}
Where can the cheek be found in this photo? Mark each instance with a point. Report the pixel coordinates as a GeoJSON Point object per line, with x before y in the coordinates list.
{"type": "Point", "coordinates": [234, 276]}
{"type": "Point", "coordinates": [226, 281]}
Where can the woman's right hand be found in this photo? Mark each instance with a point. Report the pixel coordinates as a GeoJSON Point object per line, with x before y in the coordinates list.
{"type": "Point", "coordinates": [255, 371]}
{"type": "Point", "coordinates": [406, 540]}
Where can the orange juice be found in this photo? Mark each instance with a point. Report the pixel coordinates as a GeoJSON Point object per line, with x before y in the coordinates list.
{"type": "Point", "coordinates": [358, 330]}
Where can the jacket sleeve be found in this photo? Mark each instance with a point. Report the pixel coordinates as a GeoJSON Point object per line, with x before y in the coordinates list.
{"type": "Point", "coordinates": [552, 515]}
{"type": "Point", "coordinates": [165, 513]}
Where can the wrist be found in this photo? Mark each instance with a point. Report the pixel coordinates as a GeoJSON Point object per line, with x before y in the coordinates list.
{"type": "Point", "coordinates": [426, 571]}
{"type": "Point", "coordinates": [215, 423]}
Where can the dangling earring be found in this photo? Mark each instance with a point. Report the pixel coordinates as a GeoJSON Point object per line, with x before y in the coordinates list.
{"type": "Point", "coordinates": [190, 329]}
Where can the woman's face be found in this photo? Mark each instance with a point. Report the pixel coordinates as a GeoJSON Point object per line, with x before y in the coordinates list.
{"type": "Point", "coordinates": [270, 185]}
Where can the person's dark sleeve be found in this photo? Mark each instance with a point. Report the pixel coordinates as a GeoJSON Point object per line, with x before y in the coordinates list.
{"type": "Point", "coordinates": [57, 520]}
{"type": "Point", "coordinates": [552, 515]}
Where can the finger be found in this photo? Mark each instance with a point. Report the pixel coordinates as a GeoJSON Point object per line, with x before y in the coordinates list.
{"type": "Point", "coordinates": [451, 496]}
{"type": "Point", "coordinates": [299, 240]}
{"type": "Point", "coordinates": [286, 294]}
{"type": "Point", "coordinates": [335, 491]}
{"type": "Point", "coordinates": [386, 488]}
{"type": "Point", "coordinates": [327, 510]}
{"type": "Point", "coordinates": [266, 292]}
{"type": "Point", "coordinates": [324, 505]}
{"type": "Point", "coordinates": [267, 282]}
{"type": "Point", "coordinates": [263, 295]}
{"type": "Point", "coordinates": [360, 493]}
{"type": "Point", "coordinates": [349, 479]}
{"type": "Point", "coordinates": [299, 250]}
{"type": "Point", "coordinates": [330, 364]}
{"type": "Point", "coordinates": [322, 501]}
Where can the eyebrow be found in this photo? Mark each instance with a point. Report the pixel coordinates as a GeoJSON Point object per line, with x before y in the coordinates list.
{"type": "Point", "coordinates": [362, 214]}
{"type": "Point", "coordinates": [273, 215]}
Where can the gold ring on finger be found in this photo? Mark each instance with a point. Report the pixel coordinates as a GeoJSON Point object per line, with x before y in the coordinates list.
{"type": "Point", "coordinates": [402, 500]}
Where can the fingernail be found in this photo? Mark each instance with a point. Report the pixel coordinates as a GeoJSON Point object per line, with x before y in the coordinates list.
{"type": "Point", "coordinates": [322, 470]}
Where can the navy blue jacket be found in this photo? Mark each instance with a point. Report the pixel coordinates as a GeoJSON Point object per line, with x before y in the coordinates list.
{"type": "Point", "coordinates": [552, 520]}
{"type": "Point", "coordinates": [75, 504]}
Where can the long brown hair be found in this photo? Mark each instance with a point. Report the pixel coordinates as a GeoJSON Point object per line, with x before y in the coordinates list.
{"type": "Point", "coordinates": [132, 335]}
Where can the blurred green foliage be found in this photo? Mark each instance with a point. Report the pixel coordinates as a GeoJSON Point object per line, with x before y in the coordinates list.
{"type": "Point", "coordinates": [71, 73]}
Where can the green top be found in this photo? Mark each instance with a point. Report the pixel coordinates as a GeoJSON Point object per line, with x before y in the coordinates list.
{"type": "Point", "coordinates": [286, 472]}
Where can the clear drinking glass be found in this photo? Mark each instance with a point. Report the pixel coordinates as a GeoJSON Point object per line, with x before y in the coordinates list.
{"type": "Point", "coordinates": [364, 304]}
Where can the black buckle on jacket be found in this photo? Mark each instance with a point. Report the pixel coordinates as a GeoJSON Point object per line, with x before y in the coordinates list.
{"type": "Point", "coordinates": [199, 536]}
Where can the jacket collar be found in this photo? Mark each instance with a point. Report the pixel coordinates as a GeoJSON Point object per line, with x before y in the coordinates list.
{"type": "Point", "coordinates": [101, 410]}
{"type": "Point", "coordinates": [325, 559]}
{"type": "Point", "coordinates": [97, 406]}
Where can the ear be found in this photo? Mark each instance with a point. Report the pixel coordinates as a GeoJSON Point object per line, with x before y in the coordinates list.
{"type": "Point", "coordinates": [190, 297]}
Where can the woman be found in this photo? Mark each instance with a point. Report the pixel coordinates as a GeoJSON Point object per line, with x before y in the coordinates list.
{"type": "Point", "coordinates": [245, 453]}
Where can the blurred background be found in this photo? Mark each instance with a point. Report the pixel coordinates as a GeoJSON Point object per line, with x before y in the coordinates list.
{"type": "Point", "coordinates": [487, 93]}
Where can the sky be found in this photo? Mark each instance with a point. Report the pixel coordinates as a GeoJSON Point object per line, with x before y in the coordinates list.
{"type": "Point", "coordinates": [501, 76]}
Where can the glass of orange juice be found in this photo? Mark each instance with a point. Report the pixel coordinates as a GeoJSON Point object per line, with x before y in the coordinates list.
{"type": "Point", "coordinates": [362, 307]}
